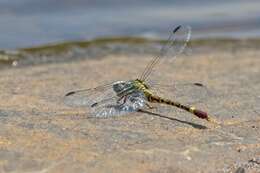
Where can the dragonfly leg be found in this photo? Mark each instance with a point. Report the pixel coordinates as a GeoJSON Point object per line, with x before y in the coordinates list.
{"type": "Point", "coordinates": [149, 106]}
{"type": "Point", "coordinates": [123, 98]}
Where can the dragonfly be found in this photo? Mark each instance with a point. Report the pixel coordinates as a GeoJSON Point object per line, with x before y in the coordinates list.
{"type": "Point", "coordinates": [123, 97]}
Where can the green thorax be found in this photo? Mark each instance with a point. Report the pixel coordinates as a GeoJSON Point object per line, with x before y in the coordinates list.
{"type": "Point", "coordinates": [141, 85]}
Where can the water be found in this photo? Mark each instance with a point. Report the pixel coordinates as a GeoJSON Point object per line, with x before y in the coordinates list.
{"type": "Point", "coordinates": [27, 23]}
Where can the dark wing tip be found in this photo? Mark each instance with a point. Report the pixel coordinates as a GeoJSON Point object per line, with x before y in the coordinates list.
{"type": "Point", "coordinates": [198, 84]}
{"type": "Point", "coordinates": [176, 29]}
{"type": "Point", "coordinates": [70, 93]}
{"type": "Point", "coordinates": [94, 104]}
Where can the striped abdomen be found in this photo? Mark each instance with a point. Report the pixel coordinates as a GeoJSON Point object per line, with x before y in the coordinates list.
{"type": "Point", "coordinates": [191, 109]}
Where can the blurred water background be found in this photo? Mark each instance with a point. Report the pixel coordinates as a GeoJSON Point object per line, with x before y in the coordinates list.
{"type": "Point", "coordinates": [32, 23]}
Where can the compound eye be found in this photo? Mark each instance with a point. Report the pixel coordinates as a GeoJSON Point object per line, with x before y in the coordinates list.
{"type": "Point", "coordinates": [121, 85]}
{"type": "Point", "coordinates": [118, 87]}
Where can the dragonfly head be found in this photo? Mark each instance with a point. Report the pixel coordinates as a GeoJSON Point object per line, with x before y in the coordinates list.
{"type": "Point", "coordinates": [121, 86]}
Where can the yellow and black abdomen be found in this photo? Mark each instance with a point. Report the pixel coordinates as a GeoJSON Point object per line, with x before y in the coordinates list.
{"type": "Point", "coordinates": [191, 109]}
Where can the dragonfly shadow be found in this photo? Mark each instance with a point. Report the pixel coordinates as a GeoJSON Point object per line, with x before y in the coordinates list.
{"type": "Point", "coordinates": [197, 126]}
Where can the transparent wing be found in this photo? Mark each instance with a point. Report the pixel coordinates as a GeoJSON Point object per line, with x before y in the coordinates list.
{"type": "Point", "coordinates": [186, 93]}
{"type": "Point", "coordinates": [190, 94]}
{"type": "Point", "coordinates": [87, 97]}
{"type": "Point", "coordinates": [103, 102]}
{"type": "Point", "coordinates": [174, 46]}
{"type": "Point", "coordinates": [119, 106]}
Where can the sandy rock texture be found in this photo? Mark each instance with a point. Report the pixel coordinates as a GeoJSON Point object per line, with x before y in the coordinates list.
{"type": "Point", "coordinates": [39, 133]}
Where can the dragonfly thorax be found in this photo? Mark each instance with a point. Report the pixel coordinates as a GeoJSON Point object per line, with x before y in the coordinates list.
{"type": "Point", "coordinates": [141, 83]}
{"type": "Point", "coordinates": [122, 88]}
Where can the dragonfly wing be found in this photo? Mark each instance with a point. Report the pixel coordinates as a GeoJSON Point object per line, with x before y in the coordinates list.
{"type": "Point", "coordinates": [175, 45]}
{"type": "Point", "coordinates": [104, 102]}
{"type": "Point", "coordinates": [119, 106]}
{"type": "Point", "coordinates": [87, 97]}
{"type": "Point", "coordinates": [192, 93]}
{"type": "Point", "coordinates": [186, 93]}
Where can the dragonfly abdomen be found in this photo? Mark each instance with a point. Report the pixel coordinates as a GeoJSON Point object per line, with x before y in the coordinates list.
{"type": "Point", "coordinates": [191, 109]}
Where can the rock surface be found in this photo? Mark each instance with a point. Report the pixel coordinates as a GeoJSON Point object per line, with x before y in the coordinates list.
{"type": "Point", "coordinates": [39, 133]}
